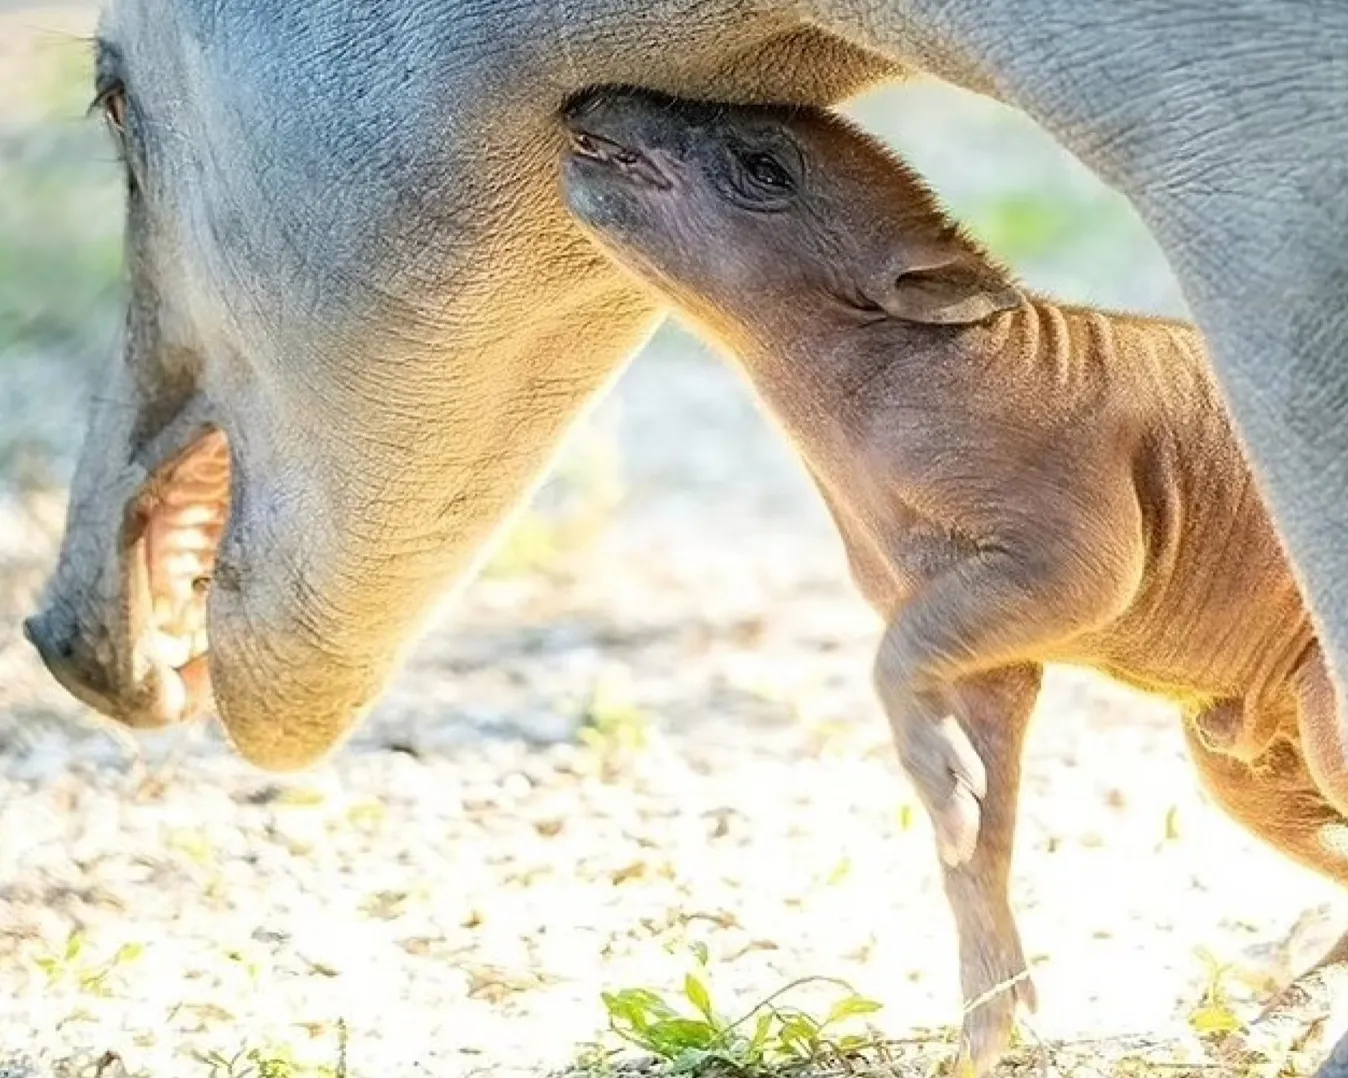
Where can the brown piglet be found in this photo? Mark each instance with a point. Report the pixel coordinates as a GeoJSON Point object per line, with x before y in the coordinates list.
{"type": "Point", "coordinates": [1017, 482]}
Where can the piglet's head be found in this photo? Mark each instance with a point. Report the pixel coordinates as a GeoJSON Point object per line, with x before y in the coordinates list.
{"type": "Point", "coordinates": [744, 212]}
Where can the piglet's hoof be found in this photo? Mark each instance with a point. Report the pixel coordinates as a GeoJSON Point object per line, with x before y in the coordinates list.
{"type": "Point", "coordinates": [988, 1024]}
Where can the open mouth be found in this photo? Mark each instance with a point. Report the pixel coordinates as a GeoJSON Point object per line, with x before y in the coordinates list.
{"type": "Point", "coordinates": [172, 538]}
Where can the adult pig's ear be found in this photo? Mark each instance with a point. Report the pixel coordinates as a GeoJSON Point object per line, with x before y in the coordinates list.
{"type": "Point", "coordinates": [958, 290]}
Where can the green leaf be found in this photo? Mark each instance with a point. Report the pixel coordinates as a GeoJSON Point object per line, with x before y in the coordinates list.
{"type": "Point", "coordinates": [636, 1007]}
{"type": "Point", "coordinates": [671, 1036]}
{"type": "Point", "coordinates": [853, 1041]}
{"type": "Point", "coordinates": [800, 1035]}
{"type": "Point", "coordinates": [699, 950]}
{"type": "Point", "coordinates": [731, 1060]}
{"type": "Point", "coordinates": [841, 871]}
{"type": "Point", "coordinates": [690, 1060]}
{"type": "Point", "coordinates": [1172, 824]}
{"type": "Point", "coordinates": [762, 1027]}
{"type": "Point", "coordinates": [906, 817]}
{"type": "Point", "coordinates": [74, 945]}
{"type": "Point", "coordinates": [625, 1011]}
{"type": "Point", "coordinates": [128, 952]}
{"type": "Point", "coordinates": [851, 1007]}
{"type": "Point", "coordinates": [1214, 1019]}
{"type": "Point", "coordinates": [648, 1000]}
{"type": "Point", "coordinates": [698, 996]}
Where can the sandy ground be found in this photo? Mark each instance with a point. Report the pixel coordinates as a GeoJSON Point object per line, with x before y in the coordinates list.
{"type": "Point", "coordinates": [456, 888]}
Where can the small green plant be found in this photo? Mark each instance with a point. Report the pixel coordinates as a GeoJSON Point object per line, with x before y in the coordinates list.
{"type": "Point", "coordinates": [1214, 1016]}
{"type": "Point", "coordinates": [610, 723]}
{"type": "Point", "coordinates": [277, 1061]}
{"type": "Point", "coordinates": [193, 844]}
{"type": "Point", "coordinates": [72, 965]}
{"type": "Point", "coordinates": [251, 1063]}
{"type": "Point", "coordinates": [768, 1034]}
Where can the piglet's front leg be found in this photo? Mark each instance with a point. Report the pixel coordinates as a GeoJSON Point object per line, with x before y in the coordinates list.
{"type": "Point", "coordinates": [1017, 604]}
{"type": "Point", "coordinates": [994, 711]}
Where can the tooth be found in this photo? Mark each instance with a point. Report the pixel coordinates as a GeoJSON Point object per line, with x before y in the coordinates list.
{"type": "Point", "coordinates": [200, 642]}
{"type": "Point", "coordinates": [173, 696]}
{"type": "Point", "coordinates": [191, 618]}
{"type": "Point", "coordinates": [181, 563]}
{"type": "Point", "coordinates": [164, 610]}
{"type": "Point", "coordinates": [172, 650]}
{"type": "Point", "coordinates": [194, 515]}
{"type": "Point", "coordinates": [194, 540]}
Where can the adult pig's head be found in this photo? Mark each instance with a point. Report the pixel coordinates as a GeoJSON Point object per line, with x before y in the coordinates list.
{"type": "Point", "coordinates": [360, 321]}
{"type": "Point", "coordinates": [286, 462]}
{"type": "Point", "coordinates": [203, 496]}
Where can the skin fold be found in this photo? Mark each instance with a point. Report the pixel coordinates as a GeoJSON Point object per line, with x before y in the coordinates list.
{"type": "Point", "coordinates": [1015, 482]}
{"type": "Point", "coordinates": [347, 258]}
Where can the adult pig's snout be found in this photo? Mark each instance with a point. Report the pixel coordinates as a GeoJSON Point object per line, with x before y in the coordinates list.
{"type": "Point", "coordinates": [70, 660]}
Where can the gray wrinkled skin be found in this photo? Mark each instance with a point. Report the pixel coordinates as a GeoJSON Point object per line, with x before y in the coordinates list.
{"type": "Point", "coordinates": [348, 253]}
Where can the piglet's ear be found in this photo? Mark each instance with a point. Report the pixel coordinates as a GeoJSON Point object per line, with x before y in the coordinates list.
{"type": "Point", "coordinates": [959, 291]}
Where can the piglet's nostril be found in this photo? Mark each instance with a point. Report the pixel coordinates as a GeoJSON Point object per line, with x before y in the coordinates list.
{"type": "Point", "coordinates": [584, 144]}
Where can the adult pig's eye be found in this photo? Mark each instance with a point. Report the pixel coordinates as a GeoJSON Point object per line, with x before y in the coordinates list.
{"type": "Point", "coordinates": [111, 101]}
{"type": "Point", "coordinates": [764, 169]}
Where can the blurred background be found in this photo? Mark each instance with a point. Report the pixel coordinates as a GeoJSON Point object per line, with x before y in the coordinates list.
{"type": "Point", "coordinates": [646, 727]}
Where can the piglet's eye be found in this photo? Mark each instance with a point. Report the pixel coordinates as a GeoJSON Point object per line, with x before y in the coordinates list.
{"type": "Point", "coordinates": [764, 169]}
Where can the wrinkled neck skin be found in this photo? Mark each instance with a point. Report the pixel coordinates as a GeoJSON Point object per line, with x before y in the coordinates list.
{"type": "Point", "coordinates": [812, 362]}
{"type": "Point", "coordinates": [805, 353]}
{"type": "Point", "coordinates": [403, 323]}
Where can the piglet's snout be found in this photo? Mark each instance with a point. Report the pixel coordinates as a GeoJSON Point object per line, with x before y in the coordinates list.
{"type": "Point", "coordinates": [601, 149]}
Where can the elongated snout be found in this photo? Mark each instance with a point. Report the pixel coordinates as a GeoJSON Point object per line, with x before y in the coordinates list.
{"type": "Point", "coordinates": [95, 668]}
{"type": "Point", "coordinates": [619, 133]}
{"type": "Point", "coordinates": [70, 659]}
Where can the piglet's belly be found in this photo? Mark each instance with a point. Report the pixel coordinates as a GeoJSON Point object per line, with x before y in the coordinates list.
{"type": "Point", "coordinates": [1241, 654]}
